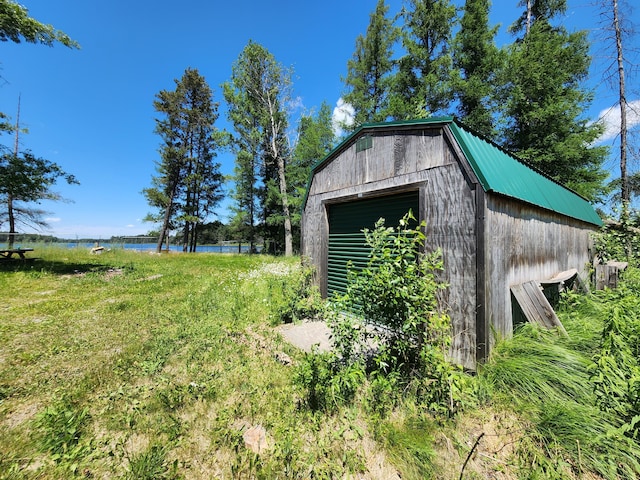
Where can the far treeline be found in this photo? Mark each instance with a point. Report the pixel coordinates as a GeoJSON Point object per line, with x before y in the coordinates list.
{"type": "Point", "coordinates": [211, 233]}
{"type": "Point", "coordinates": [431, 58]}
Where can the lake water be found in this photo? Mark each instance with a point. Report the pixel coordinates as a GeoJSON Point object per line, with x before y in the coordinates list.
{"type": "Point", "coordinates": [151, 247]}
{"type": "Point", "coordinates": [146, 247]}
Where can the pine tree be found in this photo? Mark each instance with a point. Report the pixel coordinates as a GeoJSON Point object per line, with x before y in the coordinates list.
{"type": "Point", "coordinates": [545, 101]}
{"type": "Point", "coordinates": [477, 62]}
{"type": "Point", "coordinates": [188, 185]}
{"type": "Point", "coordinates": [369, 70]}
{"type": "Point", "coordinates": [422, 84]}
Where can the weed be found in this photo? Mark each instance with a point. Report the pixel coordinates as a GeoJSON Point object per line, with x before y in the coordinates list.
{"type": "Point", "coordinates": [63, 426]}
{"type": "Point", "coordinates": [151, 465]}
{"type": "Point", "coordinates": [295, 298]}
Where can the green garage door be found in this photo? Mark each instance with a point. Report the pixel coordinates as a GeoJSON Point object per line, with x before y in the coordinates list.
{"type": "Point", "coordinates": [346, 240]}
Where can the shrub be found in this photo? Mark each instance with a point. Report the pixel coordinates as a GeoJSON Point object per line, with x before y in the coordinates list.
{"type": "Point", "coordinates": [388, 323]}
{"type": "Point", "coordinates": [619, 242]}
{"type": "Point", "coordinates": [615, 372]}
{"type": "Point", "coordinates": [300, 298]}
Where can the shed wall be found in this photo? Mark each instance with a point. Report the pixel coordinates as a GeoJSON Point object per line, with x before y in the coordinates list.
{"type": "Point", "coordinates": [396, 162]}
{"type": "Point", "coordinates": [524, 243]}
{"type": "Point", "coordinates": [449, 213]}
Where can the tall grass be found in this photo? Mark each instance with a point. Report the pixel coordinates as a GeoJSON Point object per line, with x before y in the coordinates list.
{"type": "Point", "coordinates": [546, 378]}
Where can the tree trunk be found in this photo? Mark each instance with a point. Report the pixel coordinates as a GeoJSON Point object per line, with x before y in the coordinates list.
{"type": "Point", "coordinates": [12, 222]}
{"type": "Point", "coordinates": [167, 218]}
{"type": "Point", "coordinates": [185, 237]}
{"type": "Point", "coordinates": [288, 236]}
{"type": "Point", "coordinates": [624, 179]}
{"type": "Point", "coordinates": [282, 179]}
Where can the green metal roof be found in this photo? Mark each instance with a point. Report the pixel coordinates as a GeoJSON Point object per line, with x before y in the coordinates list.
{"type": "Point", "coordinates": [502, 173]}
{"type": "Point", "coordinates": [496, 170]}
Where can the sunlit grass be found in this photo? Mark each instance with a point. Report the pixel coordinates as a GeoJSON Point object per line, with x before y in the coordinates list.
{"type": "Point", "coordinates": [134, 365]}
{"type": "Point", "coordinates": [545, 378]}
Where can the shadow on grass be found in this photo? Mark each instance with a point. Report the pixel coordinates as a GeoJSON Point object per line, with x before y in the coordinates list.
{"type": "Point", "coordinates": [56, 268]}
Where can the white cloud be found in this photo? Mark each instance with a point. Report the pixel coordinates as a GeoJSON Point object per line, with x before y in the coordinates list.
{"type": "Point", "coordinates": [343, 114]}
{"type": "Point", "coordinates": [52, 219]}
{"type": "Point", "coordinates": [610, 117]}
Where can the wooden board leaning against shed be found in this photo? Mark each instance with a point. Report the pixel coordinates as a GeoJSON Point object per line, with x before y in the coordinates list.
{"type": "Point", "coordinates": [536, 300]}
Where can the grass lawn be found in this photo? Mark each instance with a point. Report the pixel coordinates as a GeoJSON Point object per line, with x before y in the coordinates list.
{"type": "Point", "coordinates": [139, 366]}
{"type": "Point", "coordinates": [133, 365]}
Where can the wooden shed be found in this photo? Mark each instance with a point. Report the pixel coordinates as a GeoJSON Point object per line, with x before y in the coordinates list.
{"type": "Point", "coordinates": [498, 221]}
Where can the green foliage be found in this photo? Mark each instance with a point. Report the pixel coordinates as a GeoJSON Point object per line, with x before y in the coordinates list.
{"type": "Point", "coordinates": [389, 324]}
{"type": "Point", "coordinates": [397, 295]}
{"type": "Point", "coordinates": [258, 94]}
{"type": "Point", "coordinates": [315, 140]}
{"type": "Point", "coordinates": [422, 84]}
{"type": "Point", "coordinates": [544, 102]}
{"type": "Point", "coordinates": [327, 383]}
{"type": "Point", "coordinates": [369, 71]}
{"type": "Point", "coordinates": [619, 241]}
{"type": "Point", "coordinates": [300, 299]}
{"type": "Point", "coordinates": [188, 184]}
{"type": "Point", "coordinates": [26, 179]}
{"type": "Point", "coordinates": [63, 427]}
{"type": "Point", "coordinates": [15, 25]}
{"type": "Point", "coordinates": [546, 378]}
{"type": "Point", "coordinates": [615, 372]}
{"type": "Point", "coordinates": [477, 63]}
{"type": "Point", "coordinates": [151, 464]}
{"type": "Point", "coordinates": [411, 445]}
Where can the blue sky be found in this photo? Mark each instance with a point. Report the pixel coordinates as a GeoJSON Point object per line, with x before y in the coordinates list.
{"type": "Point", "coordinates": [91, 110]}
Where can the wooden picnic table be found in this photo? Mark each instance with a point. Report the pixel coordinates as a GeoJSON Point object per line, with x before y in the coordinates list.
{"type": "Point", "coordinates": [6, 253]}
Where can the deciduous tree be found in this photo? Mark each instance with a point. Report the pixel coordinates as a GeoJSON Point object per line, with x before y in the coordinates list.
{"type": "Point", "coordinates": [16, 25]}
{"type": "Point", "coordinates": [258, 94]}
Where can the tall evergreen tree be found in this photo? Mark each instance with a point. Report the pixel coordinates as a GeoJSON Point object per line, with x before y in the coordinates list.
{"type": "Point", "coordinates": [189, 184]}
{"type": "Point", "coordinates": [545, 100]}
{"type": "Point", "coordinates": [422, 85]}
{"type": "Point", "coordinates": [369, 70]}
{"type": "Point", "coordinates": [257, 94]}
{"type": "Point", "coordinates": [477, 62]}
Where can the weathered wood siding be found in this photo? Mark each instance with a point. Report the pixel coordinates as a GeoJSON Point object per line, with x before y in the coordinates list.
{"type": "Point", "coordinates": [397, 161]}
{"type": "Point", "coordinates": [523, 243]}
{"type": "Point", "coordinates": [449, 212]}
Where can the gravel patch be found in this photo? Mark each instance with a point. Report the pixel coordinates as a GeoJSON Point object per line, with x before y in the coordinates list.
{"type": "Point", "coordinates": [307, 334]}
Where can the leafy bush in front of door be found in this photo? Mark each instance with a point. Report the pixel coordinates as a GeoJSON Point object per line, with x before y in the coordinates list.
{"type": "Point", "coordinates": [389, 321]}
